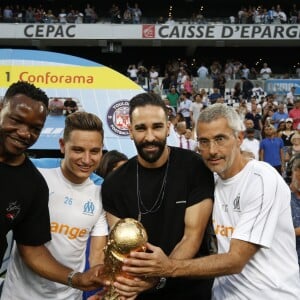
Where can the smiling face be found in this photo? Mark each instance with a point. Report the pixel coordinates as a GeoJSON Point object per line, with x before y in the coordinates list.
{"type": "Point", "coordinates": [82, 154]}
{"type": "Point", "coordinates": [21, 122]}
{"type": "Point", "coordinates": [149, 129]}
{"type": "Point", "coordinates": [225, 158]}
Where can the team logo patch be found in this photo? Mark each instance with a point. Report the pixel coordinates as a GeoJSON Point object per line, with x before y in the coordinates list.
{"type": "Point", "coordinates": [89, 208]}
{"type": "Point", "coordinates": [118, 118]}
{"type": "Point", "coordinates": [148, 31]}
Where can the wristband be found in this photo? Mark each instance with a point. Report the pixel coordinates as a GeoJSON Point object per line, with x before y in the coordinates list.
{"type": "Point", "coordinates": [70, 278]}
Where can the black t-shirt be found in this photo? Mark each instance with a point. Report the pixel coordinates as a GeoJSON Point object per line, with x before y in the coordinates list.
{"type": "Point", "coordinates": [23, 205]}
{"type": "Point", "coordinates": [188, 182]}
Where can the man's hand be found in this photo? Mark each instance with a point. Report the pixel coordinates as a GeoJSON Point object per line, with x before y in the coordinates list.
{"type": "Point", "coordinates": [154, 264]}
{"type": "Point", "coordinates": [130, 287]}
{"type": "Point", "coordinates": [91, 279]}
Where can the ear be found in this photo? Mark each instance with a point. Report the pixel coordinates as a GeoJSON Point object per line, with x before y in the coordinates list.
{"type": "Point", "coordinates": [62, 145]}
{"type": "Point", "coordinates": [240, 137]}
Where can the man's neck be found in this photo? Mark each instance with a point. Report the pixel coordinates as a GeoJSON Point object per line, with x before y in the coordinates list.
{"type": "Point", "coordinates": [12, 160]}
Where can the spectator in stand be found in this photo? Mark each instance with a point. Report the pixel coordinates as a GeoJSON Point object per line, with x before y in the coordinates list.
{"type": "Point", "coordinates": [228, 70]}
{"type": "Point", "coordinates": [153, 75]}
{"type": "Point", "coordinates": [237, 91]}
{"type": "Point", "coordinates": [250, 124]}
{"type": "Point", "coordinates": [294, 113]}
{"type": "Point", "coordinates": [56, 107]}
{"type": "Point", "coordinates": [204, 95]}
{"type": "Point", "coordinates": [191, 143]}
{"type": "Point", "coordinates": [281, 15]}
{"type": "Point", "coordinates": [110, 161]}
{"type": "Point", "coordinates": [271, 149]}
{"type": "Point", "coordinates": [279, 115]}
{"type": "Point", "coordinates": [62, 16]}
{"type": "Point", "coordinates": [142, 75]}
{"type": "Point", "coordinates": [202, 72]}
{"type": "Point", "coordinates": [290, 98]}
{"type": "Point", "coordinates": [29, 15]}
{"type": "Point", "coordinates": [70, 106]}
{"type": "Point", "coordinates": [71, 16]}
{"type": "Point", "coordinates": [188, 85]}
{"type": "Point", "coordinates": [173, 97]}
{"type": "Point", "coordinates": [287, 133]}
{"type": "Point", "coordinates": [294, 14]}
{"type": "Point", "coordinates": [78, 17]}
{"type": "Point", "coordinates": [255, 116]}
{"type": "Point", "coordinates": [115, 14]}
{"type": "Point", "coordinates": [136, 14]}
{"type": "Point", "coordinates": [195, 109]}
{"type": "Point", "coordinates": [214, 96]}
{"type": "Point", "coordinates": [184, 108]}
{"type": "Point", "coordinates": [258, 91]}
{"type": "Point", "coordinates": [127, 16]}
{"type": "Point", "coordinates": [250, 143]}
{"type": "Point", "coordinates": [219, 82]}
{"type": "Point", "coordinates": [88, 13]}
{"type": "Point", "coordinates": [265, 71]}
{"type": "Point", "coordinates": [132, 72]}
{"type": "Point", "coordinates": [215, 69]}
{"type": "Point", "coordinates": [252, 74]}
{"type": "Point", "coordinates": [245, 71]}
{"type": "Point", "coordinates": [166, 83]}
{"type": "Point", "coordinates": [247, 87]}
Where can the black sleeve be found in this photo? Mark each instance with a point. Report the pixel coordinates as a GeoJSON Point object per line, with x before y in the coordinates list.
{"type": "Point", "coordinates": [34, 228]}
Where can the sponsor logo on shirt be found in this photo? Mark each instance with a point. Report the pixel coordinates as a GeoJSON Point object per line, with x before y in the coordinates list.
{"type": "Point", "coordinates": [223, 230]}
{"type": "Point", "coordinates": [12, 211]}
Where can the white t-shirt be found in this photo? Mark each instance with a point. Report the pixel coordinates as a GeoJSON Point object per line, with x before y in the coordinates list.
{"type": "Point", "coordinates": [254, 206]}
{"type": "Point", "coordinates": [75, 213]}
{"type": "Point", "coordinates": [251, 146]}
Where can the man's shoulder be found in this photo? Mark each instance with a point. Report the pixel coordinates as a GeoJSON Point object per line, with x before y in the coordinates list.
{"type": "Point", "coordinates": [46, 163]}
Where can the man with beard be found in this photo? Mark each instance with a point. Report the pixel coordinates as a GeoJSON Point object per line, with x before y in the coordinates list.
{"type": "Point", "coordinates": [169, 190]}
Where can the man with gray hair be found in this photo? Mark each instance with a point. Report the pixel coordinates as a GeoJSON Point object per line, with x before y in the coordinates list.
{"type": "Point", "coordinates": [251, 218]}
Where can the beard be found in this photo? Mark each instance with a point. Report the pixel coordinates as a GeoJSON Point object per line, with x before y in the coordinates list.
{"type": "Point", "coordinates": [153, 156]}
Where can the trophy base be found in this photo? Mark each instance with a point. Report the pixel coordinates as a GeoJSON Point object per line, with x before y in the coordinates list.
{"type": "Point", "coordinates": [111, 294]}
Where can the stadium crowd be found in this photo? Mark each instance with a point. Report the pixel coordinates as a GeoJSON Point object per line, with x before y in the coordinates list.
{"type": "Point", "coordinates": [135, 13]}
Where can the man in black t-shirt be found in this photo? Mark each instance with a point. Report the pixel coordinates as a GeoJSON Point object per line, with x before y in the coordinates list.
{"type": "Point", "coordinates": [169, 190]}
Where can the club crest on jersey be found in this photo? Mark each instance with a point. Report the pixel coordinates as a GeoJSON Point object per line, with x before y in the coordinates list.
{"type": "Point", "coordinates": [236, 204]}
{"type": "Point", "coordinates": [89, 208]}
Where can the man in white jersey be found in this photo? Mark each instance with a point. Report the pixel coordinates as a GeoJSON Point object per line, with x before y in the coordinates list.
{"type": "Point", "coordinates": [251, 217]}
{"type": "Point", "coordinates": [76, 212]}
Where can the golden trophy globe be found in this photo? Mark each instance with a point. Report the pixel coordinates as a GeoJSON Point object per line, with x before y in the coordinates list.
{"type": "Point", "coordinates": [126, 235]}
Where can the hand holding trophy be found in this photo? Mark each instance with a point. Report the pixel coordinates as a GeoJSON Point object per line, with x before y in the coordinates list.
{"type": "Point", "coordinates": [126, 235]}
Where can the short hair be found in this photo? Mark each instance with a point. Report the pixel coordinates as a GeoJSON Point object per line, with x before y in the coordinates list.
{"type": "Point", "coordinates": [108, 162]}
{"type": "Point", "coordinates": [82, 120]}
{"type": "Point", "coordinates": [220, 110]}
{"type": "Point", "coordinates": [27, 89]}
{"type": "Point", "coordinates": [144, 99]}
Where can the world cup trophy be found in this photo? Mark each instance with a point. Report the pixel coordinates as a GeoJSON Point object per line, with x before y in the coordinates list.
{"type": "Point", "coordinates": [126, 235]}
